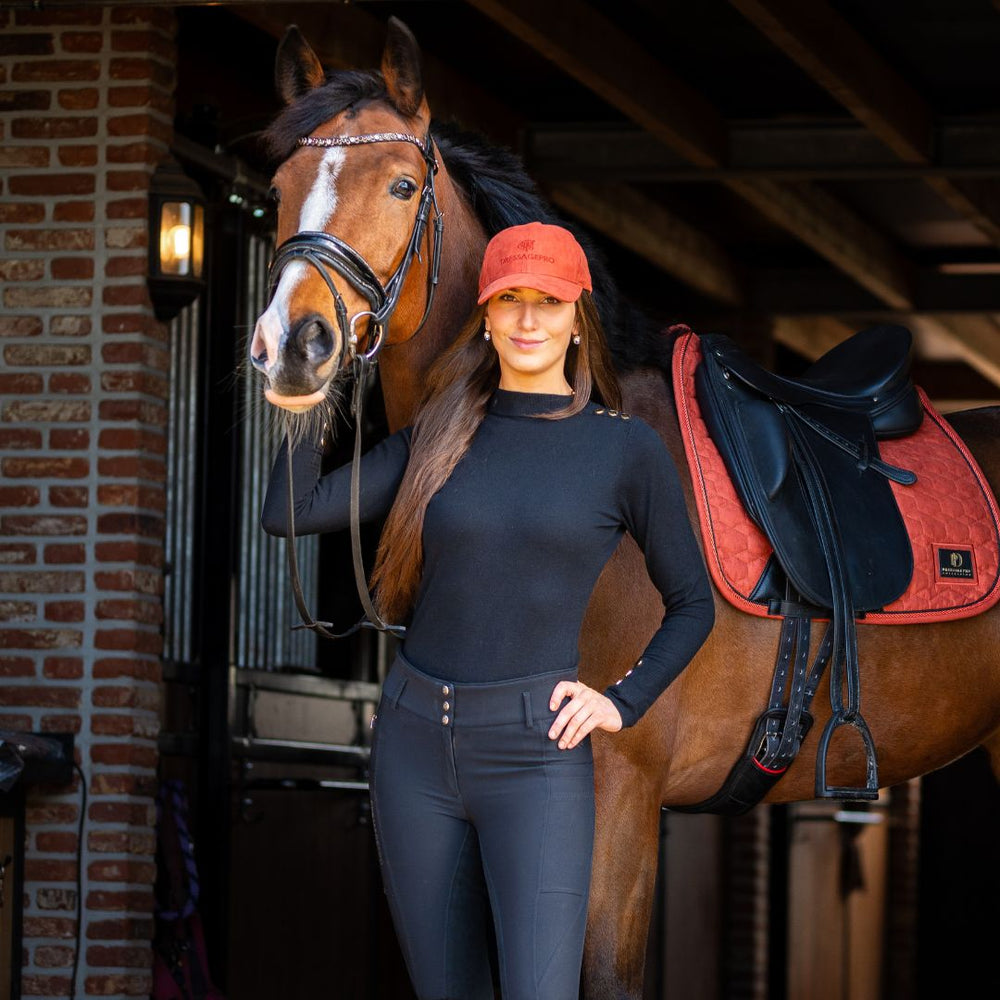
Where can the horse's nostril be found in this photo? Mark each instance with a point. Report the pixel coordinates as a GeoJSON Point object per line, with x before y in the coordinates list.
{"type": "Point", "coordinates": [259, 361]}
{"type": "Point", "coordinates": [312, 339]}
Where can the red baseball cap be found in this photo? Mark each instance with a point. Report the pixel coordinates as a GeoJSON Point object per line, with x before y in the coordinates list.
{"type": "Point", "coordinates": [535, 255]}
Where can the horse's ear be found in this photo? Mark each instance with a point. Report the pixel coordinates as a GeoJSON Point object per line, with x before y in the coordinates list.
{"type": "Point", "coordinates": [297, 70]}
{"type": "Point", "coordinates": [401, 70]}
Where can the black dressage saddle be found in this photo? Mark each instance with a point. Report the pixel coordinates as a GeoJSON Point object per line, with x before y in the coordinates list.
{"type": "Point", "coordinates": [803, 456]}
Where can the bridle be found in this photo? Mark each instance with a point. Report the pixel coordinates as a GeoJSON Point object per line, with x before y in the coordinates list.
{"type": "Point", "coordinates": [326, 252]}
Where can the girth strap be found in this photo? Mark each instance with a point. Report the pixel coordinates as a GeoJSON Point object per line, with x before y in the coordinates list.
{"type": "Point", "coordinates": [779, 731]}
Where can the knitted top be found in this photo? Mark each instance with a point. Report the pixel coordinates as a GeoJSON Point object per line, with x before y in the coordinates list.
{"type": "Point", "coordinates": [515, 540]}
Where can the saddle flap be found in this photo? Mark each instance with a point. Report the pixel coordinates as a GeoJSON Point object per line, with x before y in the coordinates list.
{"type": "Point", "coordinates": [767, 450]}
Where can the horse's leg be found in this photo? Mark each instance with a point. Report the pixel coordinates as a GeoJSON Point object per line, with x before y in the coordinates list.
{"type": "Point", "coordinates": [621, 896]}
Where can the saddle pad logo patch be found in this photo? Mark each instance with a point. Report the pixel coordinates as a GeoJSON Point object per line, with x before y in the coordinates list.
{"type": "Point", "coordinates": [955, 564]}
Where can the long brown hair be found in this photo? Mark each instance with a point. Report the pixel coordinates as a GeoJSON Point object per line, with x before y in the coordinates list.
{"type": "Point", "coordinates": [459, 387]}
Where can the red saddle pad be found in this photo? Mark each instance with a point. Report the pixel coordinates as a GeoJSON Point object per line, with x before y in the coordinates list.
{"type": "Point", "coordinates": [950, 514]}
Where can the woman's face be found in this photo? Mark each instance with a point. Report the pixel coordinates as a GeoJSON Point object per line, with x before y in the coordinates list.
{"type": "Point", "coordinates": [531, 332]}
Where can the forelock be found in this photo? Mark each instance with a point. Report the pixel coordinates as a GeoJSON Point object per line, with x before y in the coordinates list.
{"type": "Point", "coordinates": [345, 89]}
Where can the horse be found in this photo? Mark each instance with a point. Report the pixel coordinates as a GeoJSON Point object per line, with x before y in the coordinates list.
{"type": "Point", "coordinates": [925, 705]}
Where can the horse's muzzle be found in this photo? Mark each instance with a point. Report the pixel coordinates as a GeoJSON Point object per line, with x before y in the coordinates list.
{"type": "Point", "coordinates": [299, 364]}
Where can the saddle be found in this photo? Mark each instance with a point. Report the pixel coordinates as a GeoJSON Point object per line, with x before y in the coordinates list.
{"type": "Point", "coordinates": [803, 456]}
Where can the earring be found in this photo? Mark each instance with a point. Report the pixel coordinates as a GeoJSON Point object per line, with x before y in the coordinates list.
{"type": "Point", "coordinates": [486, 335]}
{"type": "Point", "coordinates": [576, 339]}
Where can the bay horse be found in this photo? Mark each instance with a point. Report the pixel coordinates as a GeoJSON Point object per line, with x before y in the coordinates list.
{"type": "Point", "coordinates": [926, 704]}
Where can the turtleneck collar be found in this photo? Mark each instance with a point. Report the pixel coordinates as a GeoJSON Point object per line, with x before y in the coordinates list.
{"type": "Point", "coordinates": [507, 403]}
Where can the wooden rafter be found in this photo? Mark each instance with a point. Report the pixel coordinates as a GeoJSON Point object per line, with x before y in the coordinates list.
{"type": "Point", "coordinates": [826, 47]}
{"type": "Point", "coordinates": [832, 53]}
{"type": "Point", "coordinates": [649, 230]}
{"type": "Point", "coordinates": [976, 339]}
{"type": "Point", "coordinates": [585, 45]}
{"type": "Point", "coordinates": [823, 44]}
{"type": "Point", "coordinates": [598, 54]}
{"type": "Point", "coordinates": [810, 337]}
{"type": "Point", "coordinates": [786, 150]}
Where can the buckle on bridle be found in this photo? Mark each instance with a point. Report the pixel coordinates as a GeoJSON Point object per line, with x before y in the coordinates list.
{"type": "Point", "coordinates": [376, 330]}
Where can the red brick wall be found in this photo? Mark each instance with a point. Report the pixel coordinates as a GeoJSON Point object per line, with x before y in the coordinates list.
{"type": "Point", "coordinates": [85, 115]}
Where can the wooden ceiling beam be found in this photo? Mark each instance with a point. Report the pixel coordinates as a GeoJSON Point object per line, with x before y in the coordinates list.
{"type": "Point", "coordinates": [811, 336]}
{"type": "Point", "coordinates": [836, 233]}
{"type": "Point", "coordinates": [819, 291]}
{"type": "Point", "coordinates": [823, 44]}
{"type": "Point", "coordinates": [832, 53]}
{"type": "Point", "coordinates": [834, 149]}
{"type": "Point", "coordinates": [976, 339]}
{"type": "Point", "coordinates": [347, 37]}
{"type": "Point", "coordinates": [598, 54]}
{"type": "Point", "coordinates": [593, 50]}
{"type": "Point", "coordinates": [634, 221]}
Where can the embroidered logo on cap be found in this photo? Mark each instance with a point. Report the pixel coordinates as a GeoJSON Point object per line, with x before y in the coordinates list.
{"type": "Point", "coordinates": [526, 245]}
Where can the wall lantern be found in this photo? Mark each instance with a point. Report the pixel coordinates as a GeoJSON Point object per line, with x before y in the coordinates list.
{"type": "Point", "coordinates": [176, 239]}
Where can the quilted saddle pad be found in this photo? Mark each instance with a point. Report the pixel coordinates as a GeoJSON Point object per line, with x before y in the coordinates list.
{"type": "Point", "coordinates": [950, 514]}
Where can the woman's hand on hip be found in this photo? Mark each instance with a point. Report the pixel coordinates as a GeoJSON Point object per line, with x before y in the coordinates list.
{"type": "Point", "coordinates": [585, 711]}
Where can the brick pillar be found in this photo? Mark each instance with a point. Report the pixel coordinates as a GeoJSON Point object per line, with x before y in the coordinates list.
{"type": "Point", "coordinates": [85, 115]}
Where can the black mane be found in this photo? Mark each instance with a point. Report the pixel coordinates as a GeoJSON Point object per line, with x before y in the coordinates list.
{"type": "Point", "coordinates": [499, 191]}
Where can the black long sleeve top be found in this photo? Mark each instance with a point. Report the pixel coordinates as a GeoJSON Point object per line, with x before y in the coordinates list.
{"type": "Point", "coordinates": [515, 540]}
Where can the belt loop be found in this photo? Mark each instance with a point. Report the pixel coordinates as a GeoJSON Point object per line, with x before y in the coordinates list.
{"type": "Point", "coordinates": [526, 698]}
{"type": "Point", "coordinates": [399, 693]}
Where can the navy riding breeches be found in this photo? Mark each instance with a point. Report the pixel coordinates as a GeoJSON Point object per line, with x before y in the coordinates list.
{"type": "Point", "coordinates": [468, 791]}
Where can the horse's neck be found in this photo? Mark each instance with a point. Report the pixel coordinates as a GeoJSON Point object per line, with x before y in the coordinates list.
{"type": "Point", "coordinates": [648, 393]}
{"type": "Point", "coordinates": [404, 366]}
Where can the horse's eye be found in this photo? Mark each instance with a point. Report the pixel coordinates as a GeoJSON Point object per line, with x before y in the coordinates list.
{"type": "Point", "coordinates": [404, 189]}
{"type": "Point", "coordinates": [275, 195]}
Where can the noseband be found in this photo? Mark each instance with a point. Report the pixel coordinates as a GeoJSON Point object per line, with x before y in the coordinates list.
{"type": "Point", "coordinates": [326, 252]}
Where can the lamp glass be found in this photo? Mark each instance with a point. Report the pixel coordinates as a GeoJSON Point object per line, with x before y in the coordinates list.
{"type": "Point", "coordinates": [176, 224]}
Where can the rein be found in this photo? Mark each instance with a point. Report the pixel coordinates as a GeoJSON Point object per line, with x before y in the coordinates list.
{"type": "Point", "coordinates": [326, 252]}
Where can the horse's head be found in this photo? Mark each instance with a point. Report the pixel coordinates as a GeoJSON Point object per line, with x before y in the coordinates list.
{"type": "Point", "coordinates": [355, 199]}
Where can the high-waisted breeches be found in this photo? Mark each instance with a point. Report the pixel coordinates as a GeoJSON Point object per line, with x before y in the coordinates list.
{"type": "Point", "coordinates": [477, 811]}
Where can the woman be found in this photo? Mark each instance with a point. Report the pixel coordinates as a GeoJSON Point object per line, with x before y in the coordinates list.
{"type": "Point", "coordinates": [504, 502]}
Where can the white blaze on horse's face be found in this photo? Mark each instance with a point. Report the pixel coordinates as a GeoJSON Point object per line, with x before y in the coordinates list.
{"type": "Point", "coordinates": [317, 210]}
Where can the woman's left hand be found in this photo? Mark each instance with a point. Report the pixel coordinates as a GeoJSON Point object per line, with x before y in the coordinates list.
{"type": "Point", "coordinates": [585, 711]}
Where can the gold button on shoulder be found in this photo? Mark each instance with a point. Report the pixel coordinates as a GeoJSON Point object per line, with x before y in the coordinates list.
{"type": "Point", "coordinates": [598, 411]}
{"type": "Point", "coordinates": [446, 705]}
{"type": "Point", "coordinates": [444, 720]}
{"type": "Point", "coordinates": [445, 689]}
